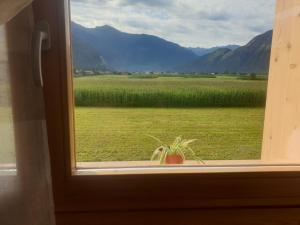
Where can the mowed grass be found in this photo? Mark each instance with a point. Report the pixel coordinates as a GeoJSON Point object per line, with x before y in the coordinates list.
{"type": "Point", "coordinates": [185, 92]}
{"type": "Point", "coordinates": [119, 134]}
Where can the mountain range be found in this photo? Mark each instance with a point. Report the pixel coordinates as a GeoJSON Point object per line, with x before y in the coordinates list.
{"type": "Point", "coordinates": [126, 52]}
{"type": "Point", "coordinates": [253, 57]}
{"type": "Point", "coordinates": [106, 48]}
{"type": "Point", "coordinates": [203, 51]}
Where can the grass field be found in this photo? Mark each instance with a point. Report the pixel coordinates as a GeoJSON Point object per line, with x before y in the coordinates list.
{"type": "Point", "coordinates": [119, 134]}
{"type": "Point", "coordinates": [120, 111]}
{"type": "Point", "coordinates": [7, 148]}
{"type": "Point", "coordinates": [123, 91]}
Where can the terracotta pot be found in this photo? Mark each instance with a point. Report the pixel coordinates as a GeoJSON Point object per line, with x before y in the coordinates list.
{"type": "Point", "coordinates": [174, 159]}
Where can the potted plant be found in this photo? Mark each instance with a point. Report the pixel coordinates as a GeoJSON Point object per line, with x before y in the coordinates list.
{"type": "Point", "coordinates": [174, 153]}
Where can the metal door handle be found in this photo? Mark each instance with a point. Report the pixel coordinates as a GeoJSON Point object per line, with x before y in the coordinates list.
{"type": "Point", "coordinates": [41, 41]}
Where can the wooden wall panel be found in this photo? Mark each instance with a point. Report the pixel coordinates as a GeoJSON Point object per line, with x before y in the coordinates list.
{"type": "Point", "coordinates": [287, 216]}
{"type": "Point", "coordinates": [282, 122]}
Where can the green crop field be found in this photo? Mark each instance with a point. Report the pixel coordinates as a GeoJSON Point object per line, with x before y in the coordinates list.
{"type": "Point", "coordinates": [123, 91]}
{"type": "Point", "coordinates": [114, 115]}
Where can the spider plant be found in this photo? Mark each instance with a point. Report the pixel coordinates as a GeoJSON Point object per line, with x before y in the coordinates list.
{"type": "Point", "coordinates": [180, 147]}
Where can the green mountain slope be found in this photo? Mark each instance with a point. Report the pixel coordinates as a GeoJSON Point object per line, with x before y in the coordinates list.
{"type": "Point", "coordinates": [253, 57]}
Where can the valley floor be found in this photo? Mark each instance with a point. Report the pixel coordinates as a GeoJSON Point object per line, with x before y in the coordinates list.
{"type": "Point", "coordinates": [120, 134]}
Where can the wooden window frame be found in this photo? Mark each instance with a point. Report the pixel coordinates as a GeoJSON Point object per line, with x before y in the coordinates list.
{"type": "Point", "coordinates": [92, 192]}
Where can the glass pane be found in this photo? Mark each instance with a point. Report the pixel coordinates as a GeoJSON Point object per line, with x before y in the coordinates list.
{"type": "Point", "coordinates": [173, 71]}
{"type": "Point", "coordinates": [7, 150]}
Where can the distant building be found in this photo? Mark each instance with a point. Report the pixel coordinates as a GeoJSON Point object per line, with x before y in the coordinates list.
{"type": "Point", "coordinates": [88, 72]}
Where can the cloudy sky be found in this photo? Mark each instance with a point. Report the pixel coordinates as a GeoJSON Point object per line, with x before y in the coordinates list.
{"type": "Point", "coordinates": [190, 23]}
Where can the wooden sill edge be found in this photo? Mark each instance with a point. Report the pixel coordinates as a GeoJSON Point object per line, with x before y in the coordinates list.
{"type": "Point", "coordinates": [212, 166]}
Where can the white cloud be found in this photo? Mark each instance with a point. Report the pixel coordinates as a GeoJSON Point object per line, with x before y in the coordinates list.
{"type": "Point", "coordinates": [187, 22]}
{"type": "Point", "coordinates": [152, 3]}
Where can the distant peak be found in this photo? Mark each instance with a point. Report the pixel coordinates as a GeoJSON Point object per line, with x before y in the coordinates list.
{"type": "Point", "coordinates": [107, 28]}
{"type": "Point", "coordinates": [222, 50]}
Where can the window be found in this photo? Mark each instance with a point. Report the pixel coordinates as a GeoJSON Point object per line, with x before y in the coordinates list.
{"type": "Point", "coordinates": [90, 190]}
{"type": "Point", "coordinates": [145, 71]}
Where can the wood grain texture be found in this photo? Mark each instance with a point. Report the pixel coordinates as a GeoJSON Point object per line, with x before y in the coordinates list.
{"type": "Point", "coordinates": [282, 121]}
{"type": "Point", "coordinates": [279, 216]}
{"type": "Point", "coordinates": [56, 65]}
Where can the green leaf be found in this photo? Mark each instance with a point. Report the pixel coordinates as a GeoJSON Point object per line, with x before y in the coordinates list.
{"type": "Point", "coordinates": [156, 153]}
{"type": "Point", "coordinates": [155, 138]}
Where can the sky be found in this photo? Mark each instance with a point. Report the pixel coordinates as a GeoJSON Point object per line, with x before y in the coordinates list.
{"type": "Point", "coordinates": [190, 23]}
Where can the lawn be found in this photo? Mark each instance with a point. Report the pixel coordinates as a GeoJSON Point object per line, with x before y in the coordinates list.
{"type": "Point", "coordinates": [119, 134]}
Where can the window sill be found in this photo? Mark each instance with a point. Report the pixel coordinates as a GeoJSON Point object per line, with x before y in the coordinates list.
{"type": "Point", "coordinates": [8, 169]}
{"type": "Point", "coordinates": [153, 167]}
{"type": "Point", "coordinates": [246, 183]}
